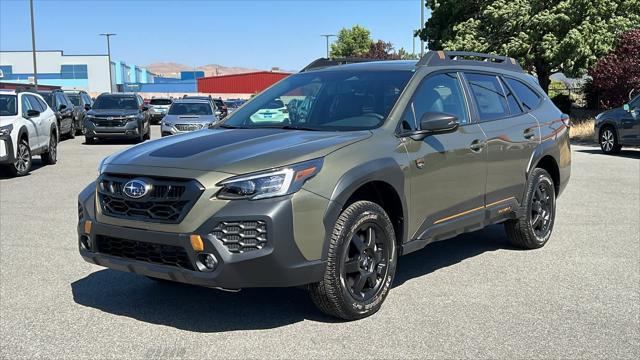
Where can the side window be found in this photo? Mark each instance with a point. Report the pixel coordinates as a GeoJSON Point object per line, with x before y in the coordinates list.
{"type": "Point", "coordinates": [511, 99]}
{"type": "Point", "coordinates": [26, 105]}
{"type": "Point", "coordinates": [635, 103]}
{"type": "Point", "coordinates": [437, 93]}
{"type": "Point", "coordinates": [490, 99]}
{"type": "Point", "coordinates": [59, 101]}
{"type": "Point", "coordinates": [35, 104]}
{"type": "Point", "coordinates": [86, 99]}
{"type": "Point", "coordinates": [529, 98]}
{"type": "Point", "coordinates": [43, 104]}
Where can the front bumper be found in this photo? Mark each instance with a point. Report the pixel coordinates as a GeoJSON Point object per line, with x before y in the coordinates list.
{"type": "Point", "coordinates": [7, 155]}
{"type": "Point", "coordinates": [278, 263]}
{"type": "Point", "coordinates": [129, 130]}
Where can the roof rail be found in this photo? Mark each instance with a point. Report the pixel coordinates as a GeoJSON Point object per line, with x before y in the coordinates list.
{"type": "Point", "coordinates": [443, 58]}
{"type": "Point", "coordinates": [324, 62]}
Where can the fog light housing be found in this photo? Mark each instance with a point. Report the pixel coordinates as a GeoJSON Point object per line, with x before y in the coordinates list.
{"type": "Point", "coordinates": [207, 262]}
{"type": "Point", "coordinates": [85, 242]}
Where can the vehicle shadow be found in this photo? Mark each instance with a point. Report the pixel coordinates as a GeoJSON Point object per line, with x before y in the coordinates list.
{"type": "Point", "coordinates": [201, 309]}
{"type": "Point", "coordinates": [36, 163]}
{"type": "Point", "coordinates": [626, 153]}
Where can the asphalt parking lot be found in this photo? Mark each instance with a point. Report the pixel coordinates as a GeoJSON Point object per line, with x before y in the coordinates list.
{"type": "Point", "coordinates": [470, 297]}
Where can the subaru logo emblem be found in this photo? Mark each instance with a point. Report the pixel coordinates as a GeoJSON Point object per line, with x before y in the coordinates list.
{"type": "Point", "coordinates": [136, 189]}
{"type": "Point", "coordinates": [110, 118]}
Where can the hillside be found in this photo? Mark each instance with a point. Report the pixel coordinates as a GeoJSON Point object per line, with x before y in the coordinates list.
{"type": "Point", "coordinates": [172, 69]}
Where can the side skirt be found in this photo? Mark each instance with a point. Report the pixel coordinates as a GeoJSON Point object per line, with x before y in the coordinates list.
{"type": "Point", "coordinates": [472, 221]}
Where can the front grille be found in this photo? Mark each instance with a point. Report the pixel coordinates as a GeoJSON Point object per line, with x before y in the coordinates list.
{"type": "Point", "coordinates": [114, 122]}
{"type": "Point", "coordinates": [168, 200]}
{"type": "Point", "coordinates": [80, 211]}
{"type": "Point", "coordinates": [241, 236]}
{"type": "Point", "coordinates": [144, 251]}
{"type": "Point", "coordinates": [188, 127]}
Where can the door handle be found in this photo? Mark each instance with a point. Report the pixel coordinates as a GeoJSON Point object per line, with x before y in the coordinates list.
{"type": "Point", "coordinates": [476, 145]}
{"type": "Point", "coordinates": [529, 133]}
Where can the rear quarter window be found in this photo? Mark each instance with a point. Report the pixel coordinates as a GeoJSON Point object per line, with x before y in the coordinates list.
{"type": "Point", "coordinates": [529, 98]}
{"type": "Point", "coordinates": [489, 96]}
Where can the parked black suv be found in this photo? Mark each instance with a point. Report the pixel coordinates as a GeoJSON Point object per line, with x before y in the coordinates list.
{"type": "Point", "coordinates": [619, 127]}
{"type": "Point", "coordinates": [81, 104]}
{"type": "Point", "coordinates": [385, 158]}
{"type": "Point", "coordinates": [63, 108]}
{"type": "Point", "coordinates": [117, 116]}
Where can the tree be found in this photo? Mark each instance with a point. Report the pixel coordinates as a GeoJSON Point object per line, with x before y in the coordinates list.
{"type": "Point", "coordinates": [444, 15]}
{"type": "Point", "coordinates": [351, 42]}
{"type": "Point", "coordinates": [546, 36]}
{"type": "Point", "coordinates": [616, 75]}
{"type": "Point", "coordinates": [381, 50]}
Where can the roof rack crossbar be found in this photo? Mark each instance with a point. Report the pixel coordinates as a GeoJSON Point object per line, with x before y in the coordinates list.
{"type": "Point", "coordinates": [443, 58]}
{"type": "Point", "coordinates": [324, 62]}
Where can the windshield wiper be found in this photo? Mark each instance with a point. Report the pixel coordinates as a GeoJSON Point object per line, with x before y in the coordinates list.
{"type": "Point", "coordinates": [225, 126]}
{"type": "Point", "coordinates": [294, 127]}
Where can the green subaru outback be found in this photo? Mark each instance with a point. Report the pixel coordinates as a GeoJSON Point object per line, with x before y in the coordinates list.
{"type": "Point", "coordinates": [373, 160]}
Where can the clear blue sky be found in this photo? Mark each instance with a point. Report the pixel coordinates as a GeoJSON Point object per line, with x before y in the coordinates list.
{"type": "Point", "coordinates": [255, 34]}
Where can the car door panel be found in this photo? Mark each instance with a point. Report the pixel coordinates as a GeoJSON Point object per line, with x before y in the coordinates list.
{"type": "Point", "coordinates": [630, 124]}
{"type": "Point", "coordinates": [447, 171]}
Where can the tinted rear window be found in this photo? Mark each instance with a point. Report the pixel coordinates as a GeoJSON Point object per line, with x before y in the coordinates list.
{"type": "Point", "coordinates": [530, 99]}
{"type": "Point", "coordinates": [160, 102]}
{"type": "Point", "coordinates": [195, 108]}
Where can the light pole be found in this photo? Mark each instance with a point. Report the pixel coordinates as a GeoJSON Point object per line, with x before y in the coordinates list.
{"type": "Point", "coordinates": [33, 47]}
{"type": "Point", "coordinates": [422, 6]}
{"type": "Point", "coordinates": [327, 36]}
{"type": "Point", "coordinates": [108, 35]}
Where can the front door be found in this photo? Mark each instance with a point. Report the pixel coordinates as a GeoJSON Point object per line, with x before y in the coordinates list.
{"type": "Point", "coordinates": [630, 124]}
{"type": "Point", "coordinates": [32, 123]}
{"type": "Point", "coordinates": [448, 171]}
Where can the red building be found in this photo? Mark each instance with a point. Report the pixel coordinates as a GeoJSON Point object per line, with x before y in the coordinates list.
{"type": "Point", "coordinates": [247, 83]}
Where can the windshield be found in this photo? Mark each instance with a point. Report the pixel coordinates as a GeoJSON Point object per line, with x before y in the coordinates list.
{"type": "Point", "coordinates": [8, 105]}
{"type": "Point", "coordinates": [75, 99]}
{"type": "Point", "coordinates": [198, 108]}
{"type": "Point", "coordinates": [325, 100]}
{"type": "Point", "coordinates": [116, 102]}
{"type": "Point", "coordinates": [160, 102]}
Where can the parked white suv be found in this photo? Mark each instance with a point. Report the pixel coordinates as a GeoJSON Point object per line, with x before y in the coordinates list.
{"type": "Point", "coordinates": [27, 127]}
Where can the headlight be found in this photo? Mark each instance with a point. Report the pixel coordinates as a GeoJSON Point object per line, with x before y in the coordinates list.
{"type": "Point", "coordinates": [131, 117]}
{"type": "Point", "coordinates": [269, 184]}
{"type": "Point", "coordinates": [89, 117]}
{"type": "Point", "coordinates": [102, 165]}
{"type": "Point", "coordinates": [6, 130]}
{"type": "Point", "coordinates": [168, 123]}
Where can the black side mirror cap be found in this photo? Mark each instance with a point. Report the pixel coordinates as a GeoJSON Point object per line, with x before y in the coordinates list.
{"type": "Point", "coordinates": [144, 108]}
{"type": "Point", "coordinates": [33, 113]}
{"type": "Point", "coordinates": [87, 107]}
{"type": "Point", "coordinates": [62, 107]}
{"type": "Point", "coordinates": [434, 123]}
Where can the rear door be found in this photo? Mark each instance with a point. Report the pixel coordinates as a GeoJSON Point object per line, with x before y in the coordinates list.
{"type": "Point", "coordinates": [512, 136]}
{"type": "Point", "coordinates": [448, 171]}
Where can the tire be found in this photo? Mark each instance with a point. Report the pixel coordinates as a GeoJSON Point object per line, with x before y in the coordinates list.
{"type": "Point", "coordinates": [533, 228]}
{"type": "Point", "coordinates": [89, 140]}
{"type": "Point", "coordinates": [609, 141]}
{"type": "Point", "coordinates": [51, 156]}
{"type": "Point", "coordinates": [79, 128]}
{"type": "Point", "coordinates": [362, 251]}
{"type": "Point", "coordinates": [72, 130]}
{"type": "Point", "coordinates": [147, 135]}
{"type": "Point", "coordinates": [22, 165]}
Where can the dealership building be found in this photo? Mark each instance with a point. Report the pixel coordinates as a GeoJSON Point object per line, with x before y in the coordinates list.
{"type": "Point", "coordinates": [80, 72]}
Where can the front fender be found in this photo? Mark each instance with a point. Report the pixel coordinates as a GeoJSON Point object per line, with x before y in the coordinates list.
{"type": "Point", "coordinates": [385, 170]}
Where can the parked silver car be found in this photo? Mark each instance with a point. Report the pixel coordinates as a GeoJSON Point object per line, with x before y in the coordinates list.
{"type": "Point", "coordinates": [158, 108]}
{"type": "Point", "coordinates": [186, 115]}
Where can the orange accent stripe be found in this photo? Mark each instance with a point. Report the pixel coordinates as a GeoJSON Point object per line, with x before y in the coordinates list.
{"type": "Point", "coordinates": [472, 210]}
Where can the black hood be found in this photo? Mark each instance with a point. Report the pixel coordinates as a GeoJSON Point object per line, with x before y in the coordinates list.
{"type": "Point", "coordinates": [112, 112]}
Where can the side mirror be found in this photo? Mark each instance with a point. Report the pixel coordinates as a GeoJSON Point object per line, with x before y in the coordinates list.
{"type": "Point", "coordinates": [144, 108]}
{"type": "Point", "coordinates": [435, 123]}
{"type": "Point", "coordinates": [626, 107]}
{"type": "Point", "coordinates": [62, 107]}
{"type": "Point", "coordinates": [87, 107]}
{"type": "Point", "coordinates": [33, 113]}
